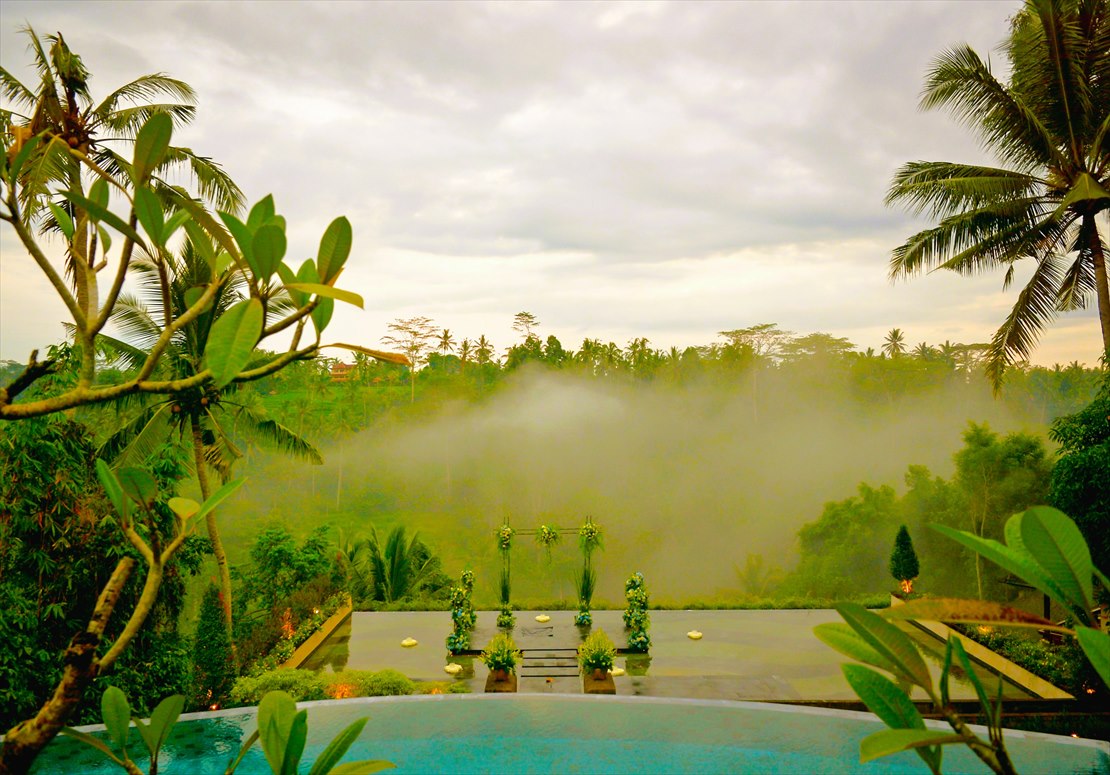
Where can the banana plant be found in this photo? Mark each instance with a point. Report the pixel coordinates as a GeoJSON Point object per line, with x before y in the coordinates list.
{"type": "Point", "coordinates": [1045, 549]}
{"type": "Point", "coordinates": [282, 731]}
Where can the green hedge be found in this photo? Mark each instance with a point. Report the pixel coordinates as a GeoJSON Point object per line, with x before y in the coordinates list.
{"type": "Point", "coordinates": [309, 685]}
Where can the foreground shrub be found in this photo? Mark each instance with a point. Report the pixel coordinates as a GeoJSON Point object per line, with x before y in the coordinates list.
{"type": "Point", "coordinates": [299, 684]}
{"type": "Point", "coordinates": [367, 683]}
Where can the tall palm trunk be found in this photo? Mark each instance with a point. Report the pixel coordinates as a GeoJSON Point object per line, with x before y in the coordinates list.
{"type": "Point", "coordinates": [210, 520]}
{"type": "Point", "coordinates": [1102, 285]}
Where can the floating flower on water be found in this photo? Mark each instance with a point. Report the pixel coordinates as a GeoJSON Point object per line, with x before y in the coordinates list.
{"type": "Point", "coordinates": [693, 635]}
{"type": "Point", "coordinates": [409, 642]}
{"type": "Point", "coordinates": [543, 618]}
{"type": "Point", "coordinates": [452, 669]}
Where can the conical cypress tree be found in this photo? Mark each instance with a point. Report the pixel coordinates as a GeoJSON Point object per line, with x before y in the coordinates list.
{"type": "Point", "coordinates": [903, 560]}
{"type": "Point", "coordinates": [213, 663]}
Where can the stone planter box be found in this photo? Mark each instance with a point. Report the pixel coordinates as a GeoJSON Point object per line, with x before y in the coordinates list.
{"type": "Point", "coordinates": [494, 684]}
{"type": "Point", "coordinates": [594, 685]}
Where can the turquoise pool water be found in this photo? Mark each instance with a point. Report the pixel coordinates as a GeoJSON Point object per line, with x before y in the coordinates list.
{"type": "Point", "coordinates": [577, 734]}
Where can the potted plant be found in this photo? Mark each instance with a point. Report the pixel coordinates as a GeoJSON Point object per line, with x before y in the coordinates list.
{"type": "Point", "coordinates": [501, 656]}
{"type": "Point", "coordinates": [595, 658]}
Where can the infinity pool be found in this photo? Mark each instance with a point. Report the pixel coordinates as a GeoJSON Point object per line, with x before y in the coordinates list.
{"type": "Point", "coordinates": [567, 734]}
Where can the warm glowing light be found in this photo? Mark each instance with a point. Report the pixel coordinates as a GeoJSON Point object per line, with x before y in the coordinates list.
{"type": "Point", "coordinates": [1074, 735]}
{"type": "Point", "coordinates": [342, 691]}
{"type": "Point", "coordinates": [984, 629]}
{"type": "Point", "coordinates": [437, 690]}
{"type": "Point", "coordinates": [214, 706]}
{"type": "Point", "coordinates": [315, 610]}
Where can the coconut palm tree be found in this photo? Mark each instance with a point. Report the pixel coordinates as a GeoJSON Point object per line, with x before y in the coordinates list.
{"type": "Point", "coordinates": [61, 108]}
{"type": "Point", "coordinates": [466, 349]}
{"type": "Point", "coordinates": [213, 420]}
{"type": "Point", "coordinates": [1050, 129]}
{"type": "Point", "coordinates": [446, 343]}
{"type": "Point", "coordinates": [895, 343]}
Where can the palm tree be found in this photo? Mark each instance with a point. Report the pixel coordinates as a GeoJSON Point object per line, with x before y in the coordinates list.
{"type": "Point", "coordinates": [895, 343]}
{"type": "Point", "coordinates": [212, 419]}
{"type": "Point", "coordinates": [924, 351]}
{"type": "Point", "coordinates": [465, 351]}
{"type": "Point", "coordinates": [1050, 129]}
{"type": "Point", "coordinates": [61, 109]}
{"type": "Point", "coordinates": [446, 342]}
{"type": "Point", "coordinates": [393, 570]}
{"type": "Point", "coordinates": [484, 350]}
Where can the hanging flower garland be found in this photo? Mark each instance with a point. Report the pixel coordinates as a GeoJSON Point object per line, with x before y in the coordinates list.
{"type": "Point", "coordinates": [547, 536]}
{"type": "Point", "coordinates": [589, 535]}
{"type": "Point", "coordinates": [505, 537]}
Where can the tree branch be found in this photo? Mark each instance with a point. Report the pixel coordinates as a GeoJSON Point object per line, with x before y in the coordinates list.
{"type": "Point", "coordinates": [26, 739]}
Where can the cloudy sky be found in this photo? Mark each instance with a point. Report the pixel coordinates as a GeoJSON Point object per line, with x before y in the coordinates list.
{"type": "Point", "coordinates": [667, 170]}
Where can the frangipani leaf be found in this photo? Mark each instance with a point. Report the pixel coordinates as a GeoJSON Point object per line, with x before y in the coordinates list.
{"type": "Point", "coordinates": [942, 609]}
{"type": "Point", "coordinates": [843, 638]}
{"type": "Point", "coordinates": [1096, 645]}
{"type": "Point", "coordinates": [91, 741]}
{"type": "Point", "coordinates": [65, 223]}
{"type": "Point", "coordinates": [261, 213]}
{"type": "Point", "coordinates": [232, 340]}
{"type": "Point", "coordinates": [243, 237]}
{"type": "Point", "coordinates": [139, 485]}
{"type": "Point", "coordinates": [367, 767]}
{"type": "Point", "coordinates": [1058, 546]}
{"type": "Point", "coordinates": [335, 246]}
{"type": "Point", "coordinates": [194, 294]}
{"type": "Point", "coordinates": [268, 248]}
{"type": "Point", "coordinates": [891, 741]}
{"type": "Point", "coordinates": [893, 644]}
{"type": "Point", "coordinates": [104, 215]}
{"type": "Point", "coordinates": [336, 748]}
{"type": "Point", "coordinates": [112, 488]}
{"type": "Point", "coordinates": [328, 292]}
{"type": "Point", "coordinates": [1016, 561]}
{"type": "Point", "coordinates": [183, 507]}
{"type": "Point", "coordinates": [890, 703]}
{"type": "Point", "coordinates": [378, 355]}
{"type": "Point", "coordinates": [294, 746]}
{"type": "Point", "coordinates": [972, 676]}
{"type": "Point", "coordinates": [150, 146]}
{"type": "Point", "coordinates": [321, 316]}
{"type": "Point", "coordinates": [116, 713]}
{"type": "Point", "coordinates": [219, 496]}
{"type": "Point", "coordinates": [149, 211]}
{"type": "Point", "coordinates": [161, 722]}
{"type": "Point", "coordinates": [275, 719]}
{"type": "Point", "coordinates": [173, 223]}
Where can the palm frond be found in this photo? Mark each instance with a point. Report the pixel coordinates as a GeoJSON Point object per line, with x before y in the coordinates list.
{"type": "Point", "coordinates": [12, 90]}
{"type": "Point", "coordinates": [1076, 285]}
{"type": "Point", "coordinates": [254, 425]}
{"type": "Point", "coordinates": [961, 82]}
{"type": "Point", "coordinates": [127, 122]}
{"type": "Point", "coordinates": [147, 87]}
{"type": "Point", "coordinates": [942, 188]}
{"type": "Point", "coordinates": [212, 183]}
{"type": "Point", "coordinates": [135, 322]}
{"type": "Point", "coordinates": [1035, 307]}
{"type": "Point", "coordinates": [975, 240]}
{"type": "Point", "coordinates": [139, 438]}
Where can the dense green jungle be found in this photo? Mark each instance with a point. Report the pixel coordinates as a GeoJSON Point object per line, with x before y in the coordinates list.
{"type": "Point", "coordinates": [701, 465]}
